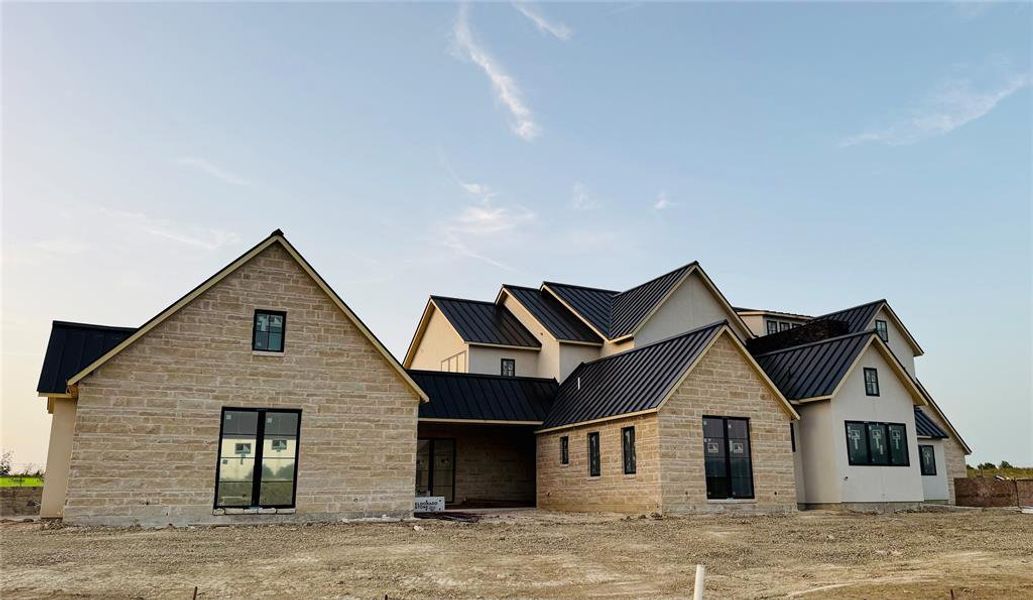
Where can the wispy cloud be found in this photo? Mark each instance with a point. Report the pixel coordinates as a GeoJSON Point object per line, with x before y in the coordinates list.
{"type": "Point", "coordinates": [61, 246]}
{"type": "Point", "coordinates": [206, 238]}
{"type": "Point", "coordinates": [581, 198]}
{"type": "Point", "coordinates": [556, 30]}
{"type": "Point", "coordinates": [215, 171]}
{"type": "Point", "coordinates": [662, 202]}
{"type": "Point", "coordinates": [952, 105]}
{"type": "Point", "coordinates": [506, 89]}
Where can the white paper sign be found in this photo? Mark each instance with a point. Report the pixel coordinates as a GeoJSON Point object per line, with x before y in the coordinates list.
{"type": "Point", "coordinates": [430, 504]}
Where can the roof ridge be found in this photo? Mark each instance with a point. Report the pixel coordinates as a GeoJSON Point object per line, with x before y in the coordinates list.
{"type": "Point", "coordinates": [817, 343]}
{"type": "Point", "coordinates": [92, 326]}
{"type": "Point", "coordinates": [671, 272]}
{"type": "Point", "coordinates": [715, 324]}
{"type": "Point", "coordinates": [454, 299]}
{"type": "Point", "coordinates": [582, 287]}
{"type": "Point", "coordinates": [483, 375]}
{"type": "Point", "coordinates": [842, 310]}
{"type": "Point", "coordinates": [520, 287]}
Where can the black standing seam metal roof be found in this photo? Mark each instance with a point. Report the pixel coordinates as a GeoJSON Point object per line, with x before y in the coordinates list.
{"type": "Point", "coordinates": [925, 427]}
{"type": "Point", "coordinates": [628, 382]}
{"type": "Point", "coordinates": [553, 315]}
{"type": "Point", "coordinates": [593, 304]}
{"type": "Point", "coordinates": [485, 322]}
{"type": "Point", "coordinates": [73, 347]}
{"type": "Point", "coordinates": [813, 370]}
{"type": "Point", "coordinates": [468, 396]}
{"type": "Point", "coordinates": [857, 318]}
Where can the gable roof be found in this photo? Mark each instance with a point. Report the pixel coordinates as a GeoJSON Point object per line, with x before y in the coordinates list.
{"type": "Point", "coordinates": [616, 315]}
{"type": "Point", "coordinates": [276, 237]}
{"type": "Point", "coordinates": [71, 347]}
{"type": "Point", "coordinates": [548, 311]}
{"type": "Point", "coordinates": [860, 318]}
{"type": "Point", "coordinates": [639, 380]}
{"type": "Point", "coordinates": [935, 409]}
{"type": "Point", "coordinates": [925, 427]}
{"type": "Point", "coordinates": [813, 370]}
{"type": "Point", "coordinates": [484, 398]}
{"type": "Point", "coordinates": [480, 322]}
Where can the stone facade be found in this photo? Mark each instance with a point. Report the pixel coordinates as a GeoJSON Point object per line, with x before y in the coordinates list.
{"type": "Point", "coordinates": [671, 476]}
{"type": "Point", "coordinates": [724, 384]}
{"type": "Point", "coordinates": [570, 487]}
{"type": "Point", "coordinates": [20, 501]}
{"type": "Point", "coordinates": [494, 463]}
{"type": "Point", "coordinates": [147, 427]}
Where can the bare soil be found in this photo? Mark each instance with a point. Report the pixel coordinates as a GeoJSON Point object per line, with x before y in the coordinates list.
{"type": "Point", "coordinates": [976, 554]}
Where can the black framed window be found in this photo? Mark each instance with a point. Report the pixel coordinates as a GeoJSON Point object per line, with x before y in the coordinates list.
{"type": "Point", "coordinates": [792, 436]}
{"type": "Point", "coordinates": [784, 326]}
{"type": "Point", "coordinates": [877, 444]}
{"type": "Point", "coordinates": [269, 331]}
{"type": "Point", "coordinates": [726, 455]}
{"type": "Point", "coordinates": [258, 457]}
{"type": "Point", "coordinates": [927, 459]}
{"type": "Point", "coordinates": [509, 367]}
{"type": "Point", "coordinates": [772, 326]}
{"type": "Point", "coordinates": [565, 450]}
{"type": "Point", "coordinates": [628, 449]}
{"type": "Point", "coordinates": [871, 381]}
{"type": "Point", "coordinates": [594, 469]}
{"type": "Point", "coordinates": [882, 330]}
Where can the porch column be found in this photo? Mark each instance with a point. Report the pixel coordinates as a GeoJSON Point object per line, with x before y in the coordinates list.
{"type": "Point", "coordinates": [59, 458]}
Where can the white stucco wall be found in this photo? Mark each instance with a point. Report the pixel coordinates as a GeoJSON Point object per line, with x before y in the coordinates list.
{"type": "Point", "coordinates": [556, 359]}
{"type": "Point", "coordinates": [801, 483]}
{"type": "Point", "coordinates": [690, 306]}
{"type": "Point", "coordinates": [894, 404]}
{"type": "Point", "coordinates": [572, 355]}
{"type": "Point", "coordinates": [934, 487]}
{"type": "Point", "coordinates": [898, 342]}
{"type": "Point", "coordinates": [815, 446]}
{"type": "Point", "coordinates": [755, 323]}
{"type": "Point", "coordinates": [439, 342]}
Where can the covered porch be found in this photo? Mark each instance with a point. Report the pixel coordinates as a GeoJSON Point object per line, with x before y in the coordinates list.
{"type": "Point", "coordinates": [475, 438]}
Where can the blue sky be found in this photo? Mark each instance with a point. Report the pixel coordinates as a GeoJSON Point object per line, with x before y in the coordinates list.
{"type": "Point", "coordinates": [811, 156]}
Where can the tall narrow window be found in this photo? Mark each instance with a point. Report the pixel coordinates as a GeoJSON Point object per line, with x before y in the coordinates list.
{"type": "Point", "coordinates": [878, 444]}
{"type": "Point", "coordinates": [269, 331]}
{"type": "Point", "coordinates": [628, 449]}
{"type": "Point", "coordinates": [258, 456]}
{"type": "Point", "coordinates": [898, 445]}
{"type": "Point", "coordinates": [927, 456]}
{"type": "Point", "coordinates": [726, 455]}
{"type": "Point", "coordinates": [509, 367]}
{"type": "Point", "coordinates": [871, 382]}
{"type": "Point", "coordinates": [792, 436]}
{"type": "Point", "coordinates": [565, 450]}
{"type": "Point", "coordinates": [594, 469]}
{"type": "Point", "coordinates": [857, 443]}
{"type": "Point", "coordinates": [882, 330]}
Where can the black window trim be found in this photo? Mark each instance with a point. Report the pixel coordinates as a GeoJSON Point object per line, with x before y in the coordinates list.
{"type": "Point", "coordinates": [430, 467]}
{"type": "Point", "coordinates": [595, 468]}
{"type": "Point", "coordinates": [565, 450]}
{"type": "Point", "coordinates": [921, 463]}
{"type": "Point", "coordinates": [868, 390]}
{"type": "Point", "coordinates": [256, 479]}
{"type": "Point", "coordinates": [868, 445]}
{"type": "Point", "coordinates": [883, 331]}
{"type": "Point", "coordinates": [502, 366]}
{"type": "Point", "coordinates": [624, 451]}
{"type": "Point", "coordinates": [728, 456]}
{"type": "Point", "coordinates": [254, 330]}
{"type": "Point", "coordinates": [792, 435]}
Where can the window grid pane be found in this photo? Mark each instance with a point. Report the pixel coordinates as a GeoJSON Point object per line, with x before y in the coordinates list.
{"type": "Point", "coordinates": [268, 334]}
{"type": "Point", "coordinates": [258, 452]}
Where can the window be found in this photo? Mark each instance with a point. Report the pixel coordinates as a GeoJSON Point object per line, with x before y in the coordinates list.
{"type": "Point", "coordinates": [927, 456]}
{"type": "Point", "coordinates": [628, 449]}
{"type": "Point", "coordinates": [784, 326]}
{"type": "Point", "coordinates": [880, 328]}
{"type": "Point", "coordinates": [792, 436]}
{"type": "Point", "coordinates": [593, 454]}
{"type": "Point", "coordinates": [564, 450]}
{"type": "Point", "coordinates": [772, 326]}
{"type": "Point", "coordinates": [269, 330]}
{"type": "Point", "coordinates": [508, 367]}
{"type": "Point", "coordinates": [726, 454]}
{"type": "Point", "coordinates": [871, 382]}
{"type": "Point", "coordinates": [258, 454]}
{"type": "Point", "coordinates": [876, 444]}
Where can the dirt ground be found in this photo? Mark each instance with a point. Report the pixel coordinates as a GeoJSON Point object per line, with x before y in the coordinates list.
{"type": "Point", "coordinates": [978, 554]}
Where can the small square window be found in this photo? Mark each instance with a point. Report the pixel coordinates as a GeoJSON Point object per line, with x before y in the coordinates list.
{"type": "Point", "coordinates": [565, 450]}
{"type": "Point", "coordinates": [242, 449]}
{"type": "Point", "coordinates": [882, 330]}
{"type": "Point", "coordinates": [269, 331]}
{"type": "Point", "coordinates": [871, 382]}
{"type": "Point", "coordinates": [279, 445]}
{"type": "Point", "coordinates": [508, 367]}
